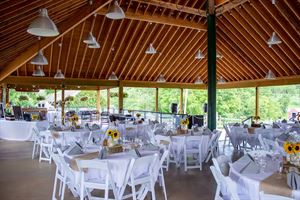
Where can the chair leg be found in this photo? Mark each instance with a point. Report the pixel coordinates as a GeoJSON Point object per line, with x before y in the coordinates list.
{"type": "Point", "coordinates": [152, 190]}
{"type": "Point", "coordinates": [54, 186]}
{"type": "Point", "coordinates": [163, 184]}
{"type": "Point", "coordinates": [33, 150]}
{"type": "Point", "coordinates": [133, 192]}
{"type": "Point", "coordinates": [41, 152]}
{"type": "Point", "coordinates": [63, 189]}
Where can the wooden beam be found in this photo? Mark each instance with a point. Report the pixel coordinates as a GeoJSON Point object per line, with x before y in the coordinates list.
{"type": "Point", "coordinates": [64, 28]}
{"type": "Point", "coordinates": [181, 101]}
{"type": "Point", "coordinates": [211, 7]}
{"type": "Point", "coordinates": [6, 95]}
{"type": "Point", "coordinates": [3, 99]}
{"type": "Point", "coordinates": [98, 101]}
{"type": "Point", "coordinates": [256, 101]}
{"type": "Point", "coordinates": [121, 93]}
{"type": "Point", "coordinates": [161, 20]}
{"type": "Point", "coordinates": [108, 100]}
{"type": "Point", "coordinates": [227, 7]}
{"type": "Point", "coordinates": [173, 6]}
{"type": "Point", "coordinates": [63, 105]}
{"type": "Point", "coordinates": [156, 99]}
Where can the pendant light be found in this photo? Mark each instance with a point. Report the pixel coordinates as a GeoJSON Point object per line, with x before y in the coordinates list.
{"type": "Point", "coordinates": [59, 75]}
{"type": "Point", "coordinates": [273, 2]}
{"type": "Point", "coordinates": [115, 12]}
{"type": "Point", "coordinates": [39, 59]}
{"type": "Point", "coordinates": [38, 71]}
{"type": "Point", "coordinates": [199, 55]}
{"type": "Point", "coordinates": [270, 75]}
{"type": "Point", "coordinates": [96, 45]}
{"type": "Point", "coordinates": [43, 26]}
{"type": "Point", "coordinates": [90, 39]}
{"type": "Point", "coordinates": [219, 55]}
{"type": "Point", "coordinates": [273, 40]}
{"type": "Point", "coordinates": [151, 49]}
{"type": "Point", "coordinates": [113, 77]}
{"type": "Point", "coordinates": [198, 80]}
{"type": "Point", "coordinates": [221, 80]}
{"type": "Point", "coordinates": [161, 79]}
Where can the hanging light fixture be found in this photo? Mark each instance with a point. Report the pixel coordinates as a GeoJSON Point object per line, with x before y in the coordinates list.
{"type": "Point", "coordinates": [39, 59]}
{"type": "Point", "coordinates": [43, 25]}
{"type": "Point", "coordinates": [90, 39]}
{"type": "Point", "coordinates": [219, 55]}
{"type": "Point", "coordinates": [198, 80]}
{"type": "Point", "coordinates": [273, 40]}
{"type": "Point", "coordinates": [161, 79]}
{"type": "Point", "coordinates": [199, 55]}
{"type": "Point", "coordinates": [221, 80]}
{"type": "Point", "coordinates": [94, 46]}
{"type": "Point", "coordinates": [151, 49]}
{"type": "Point", "coordinates": [115, 12]}
{"type": "Point", "coordinates": [270, 75]}
{"type": "Point", "coordinates": [273, 2]}
{"type": "Point", "coordinates": [113, 77]}
{"type": "Point", "coordinates": [59, 75]}
{"type": "Point", "coordinates": [38, 71]}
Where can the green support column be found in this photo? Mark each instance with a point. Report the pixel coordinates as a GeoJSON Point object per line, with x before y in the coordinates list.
{"type": "Point", "coordinates": [211, 69]}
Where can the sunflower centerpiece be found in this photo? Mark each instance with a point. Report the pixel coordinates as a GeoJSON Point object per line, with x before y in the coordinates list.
{"type": "Point", "coordinates": [113, 137]}
{"type": "Point", "coordinates": [184, 123]}
{"type": "Point", "coordinates": [293, 151]}
{"type": "Point", "coordinates": [74, 120]}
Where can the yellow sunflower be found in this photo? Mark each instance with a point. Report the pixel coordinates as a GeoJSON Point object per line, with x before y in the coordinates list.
{"type": "Point", "coordinates": [297, 147]}
{"type": "Point", "coordinates": [109, 132]}
{"type": "Point", "coordinates": [116, 134]}
{"type": "Point", "coordinates": [289, 147]}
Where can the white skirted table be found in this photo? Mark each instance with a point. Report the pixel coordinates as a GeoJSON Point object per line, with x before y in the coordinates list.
{"type": "Point", "coordinates": [20, 130]}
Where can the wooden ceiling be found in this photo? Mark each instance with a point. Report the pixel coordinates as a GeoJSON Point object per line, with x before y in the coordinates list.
{"type": "Point", "coordinates": [177, 29]}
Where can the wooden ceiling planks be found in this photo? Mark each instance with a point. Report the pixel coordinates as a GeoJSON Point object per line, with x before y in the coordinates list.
{"type": "Point", "coordinates": [242, 35]}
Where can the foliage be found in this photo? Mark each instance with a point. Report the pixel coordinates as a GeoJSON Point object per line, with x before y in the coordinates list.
{"type": "Point", "coordinates": [23, 98]}
{"type": "Point", "coordinates": [84, 98]}
{"type": "Point", "coordinates": [40, 98]}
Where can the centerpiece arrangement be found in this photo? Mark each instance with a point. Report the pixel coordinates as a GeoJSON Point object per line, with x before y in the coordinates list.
{"type": "Point", "coordinates": [293, 151]}
{"type": "Point", "coordinates": [112, 141]}
{"type": "Point", "coordinates": [255, 122]}
{"type": "Point", "coordinates": [138, 118]}
{"type": "Point", "coordinates": [74, 120]}
{"type": "Point", "coordinates": [184, 123]}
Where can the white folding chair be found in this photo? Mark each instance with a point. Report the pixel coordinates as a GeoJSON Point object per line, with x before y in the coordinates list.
{"type": "Point", "coordinates": [165, 141]}
{"type": "Point", "coordinates": [221, 163]}
{"type": "Point", "coordinates": [145, 180]}
{"type": "Point", "coordinates": [226, 188]}
{"type": "Point", "coordinates": [59, 175]}
{"type": "Point", "coordinates": [68, 177]}
{"type": "Point", "coordinates": [213, 146]}
{"type": "Point", "coordinates": [46, 146]}
{"type": "Point", "coordinates": [36, 141]}
{"type": "Point", "coordinates": [86, 186]}
{"type": "Point", "coordinates": [160, 171]}
{"type": "Point", "coordinates": [264, 196]}
{"type": "Point", "coordinates": [226, 136]}
{"type": "Point", "coordinates": [192, 149]}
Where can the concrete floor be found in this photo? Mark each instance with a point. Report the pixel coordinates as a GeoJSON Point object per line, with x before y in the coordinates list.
{"type": "Point", "coordinates": [23, 178]}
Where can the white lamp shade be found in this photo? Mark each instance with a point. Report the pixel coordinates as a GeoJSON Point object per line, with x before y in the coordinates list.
{"type": "Point", "coordinates": [270, 75]}
{"type": "Point", "coordinates": [198, 80]}
{"type": "Point", "coordinates": [94, 46]}
{"type": "Point", "coordinates": [151, 50]}
{"type": "Point", "coordinates": [273, 40]}
{"type": "Point", "coordinates": [39, 59]}
{"type": "Point", "coordinates": [221, 80]}
{"type": "Point", "coordinates": [161, 79]}
{"type": "Point", "coordinates": [38, 71]}
{"type": "Point", "coordinates": [219, 55]}
{"type": "Point", "coordinates": [199, 55]}
{"type": "Point", "coordinates": [59, 75]}
{"type": "Point", "coordinates": [113, 77]}
{"type": "Point", "coordinates": [115, 12]}
{"type": "Point", "coordinates": [90, 39]}
{"type": "Point", "coordinates": [43, 26]}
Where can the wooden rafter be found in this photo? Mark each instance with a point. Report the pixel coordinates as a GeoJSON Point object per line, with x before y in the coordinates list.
{"type": "Point", "coordinates": [161, 20]}
{"type": "Point", "coordinates": [172, 6]}
{"type": "Point", "coordinates": [64, 28]}
{"type": "Point", "coordinates": [229, 6]}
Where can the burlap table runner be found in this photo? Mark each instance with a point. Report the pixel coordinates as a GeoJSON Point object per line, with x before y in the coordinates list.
{"type": "Point", "coordinates": [88, 156]}
{"type": "Point", "coordinates": [276, 184]}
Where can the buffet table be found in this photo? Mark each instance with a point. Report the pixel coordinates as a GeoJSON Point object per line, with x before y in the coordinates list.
{"type": "Point", "coordinates": [20, 130]}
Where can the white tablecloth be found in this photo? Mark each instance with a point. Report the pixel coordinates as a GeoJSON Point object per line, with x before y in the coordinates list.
{"type": "Point", "coordinates": [131, 131]}
{"type": "Point", "coordinates": [20, 130]}
{"type": "Point", "coordinates": [249, 184]}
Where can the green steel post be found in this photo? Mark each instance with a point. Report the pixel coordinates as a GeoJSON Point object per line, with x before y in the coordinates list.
{"type": "Point", "coordinates": [211, 69]}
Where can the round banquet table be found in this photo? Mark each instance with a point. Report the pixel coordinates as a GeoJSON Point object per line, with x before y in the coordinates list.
{"type": "Point", "coordinates": [20, 130]}
{"type": "Point", "coordinates": [269, 180]}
